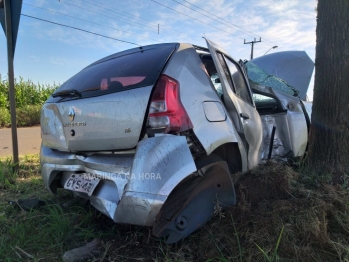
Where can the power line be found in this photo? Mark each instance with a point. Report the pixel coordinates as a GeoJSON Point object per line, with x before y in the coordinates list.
{"type": "Point", "coordinates": [226, 21]}
{"type": "Point", "coordinates": [88, 21]}
{"type": "Point", "coordinates": [112, 17]}
{"type": "Point", "coordinates": [196, 19]}
{"type": "Point", "coordinates": [83, 30]}
{"type": "Point", "coordinates": [122, 12]}
{"type": "Point", "coordinates": [78, 6]}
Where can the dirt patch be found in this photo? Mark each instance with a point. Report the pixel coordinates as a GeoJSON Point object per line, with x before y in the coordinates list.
{"type": "Point", "coordinates": [265, 183]}
{"type": "Point", "coordinates": [272, 198]}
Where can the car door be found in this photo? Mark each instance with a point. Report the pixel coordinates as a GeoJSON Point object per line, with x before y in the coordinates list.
{"type": "Point", "coordinates": [238, 101]}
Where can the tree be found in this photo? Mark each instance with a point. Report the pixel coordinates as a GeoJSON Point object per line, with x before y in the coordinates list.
{"type": "Point", "coordinates": [329, 131]}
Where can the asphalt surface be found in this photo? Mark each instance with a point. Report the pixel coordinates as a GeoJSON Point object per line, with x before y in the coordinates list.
{"type": "Point", "coordinates": [29, 141]}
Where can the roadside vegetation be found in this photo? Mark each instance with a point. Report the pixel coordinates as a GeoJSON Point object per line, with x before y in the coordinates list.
{"type": "Point", "coordinates": [283, 214]}
{"type": "Point", "coordinates": [29, 99]}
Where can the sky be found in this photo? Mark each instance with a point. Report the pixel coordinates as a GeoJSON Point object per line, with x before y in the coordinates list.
{"type": "Point", "coordinates": [48, 53]}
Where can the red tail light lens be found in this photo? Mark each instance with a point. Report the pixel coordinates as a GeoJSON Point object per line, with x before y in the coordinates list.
{"type": "Point", "coordinates": [166, 110]}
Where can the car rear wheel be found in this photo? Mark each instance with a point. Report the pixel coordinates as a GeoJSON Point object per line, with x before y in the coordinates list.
{"type": "Point", "coordinates": [192, 203]}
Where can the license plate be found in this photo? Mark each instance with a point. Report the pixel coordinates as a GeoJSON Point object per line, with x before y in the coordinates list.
{"type": "Point", "coordinates": [81, 183]}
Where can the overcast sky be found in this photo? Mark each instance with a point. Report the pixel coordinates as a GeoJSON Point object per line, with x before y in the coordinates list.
{"type": "Point", "coordinates": [48, 53]}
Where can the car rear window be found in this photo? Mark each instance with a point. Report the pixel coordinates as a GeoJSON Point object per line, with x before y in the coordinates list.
{"type": "Point", "coordinates": [116, 73]}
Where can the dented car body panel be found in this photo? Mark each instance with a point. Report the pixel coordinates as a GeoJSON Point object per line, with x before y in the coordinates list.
{"type": "Point", "coordinates": [289, 120]}
{"type": "Point", "coordinates": [187, 67]}
{"type": "Point", "coordinates": [158, 145]}
{"type": "Point", "coordinates": [134, 185]}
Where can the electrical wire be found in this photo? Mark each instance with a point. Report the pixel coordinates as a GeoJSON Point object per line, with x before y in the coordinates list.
{"type": "Point", "coordinates": [83, 30]}
{"type": "Point", "coordinates": [88, 21]}
{"type": "Point", "coordinates": [112, 17]}
{"type": "Point", "coordinates": [122, 12]}
{"type": "Point", "coordinates": [102, 14]}
{"type": "Point", "coordinates": [196, 19]}
{"type": "Point", "coordinates": [227, 23]}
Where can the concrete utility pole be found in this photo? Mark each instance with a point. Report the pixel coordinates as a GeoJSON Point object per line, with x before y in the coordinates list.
{"type": "Point", "coordinates": [10, 12]}
{"type": "Point", "coordinates": [252, 43]}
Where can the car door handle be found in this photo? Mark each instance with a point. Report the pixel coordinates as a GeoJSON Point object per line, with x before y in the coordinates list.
{"type": "Point", "coordinates": [244, 116]}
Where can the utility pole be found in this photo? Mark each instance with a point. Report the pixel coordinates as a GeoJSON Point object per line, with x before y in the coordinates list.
{"type": "Point", "coordinates": [252, 43]}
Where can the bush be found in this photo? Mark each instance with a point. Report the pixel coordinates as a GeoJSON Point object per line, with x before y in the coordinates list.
{"type": "Point", "coordinates": [4, 117]}
{"type": "Point", "coordinates": [28, 115]}
{"type": "Point", "coordinates": [27, 92]}
{"type": "Point", "coordinates": [29, 99]}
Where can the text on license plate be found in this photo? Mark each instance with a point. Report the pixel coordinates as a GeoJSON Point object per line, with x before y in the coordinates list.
{"type": "Point", "coordinates": [81, 183]}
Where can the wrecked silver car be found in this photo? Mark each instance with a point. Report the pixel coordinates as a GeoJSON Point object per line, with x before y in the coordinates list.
{"type": "Point", "coordinates": [152, 136]}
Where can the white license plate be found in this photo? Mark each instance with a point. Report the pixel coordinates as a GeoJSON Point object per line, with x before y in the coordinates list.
{"type": "Point", "coordinates": [81, 183]}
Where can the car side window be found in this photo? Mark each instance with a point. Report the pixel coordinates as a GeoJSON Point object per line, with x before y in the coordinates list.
{"type": "Point", "coordinates": [226, 71]}
{"type": "Point", "coordinates": [241, 88]}
{"type": "Point", "coordinates": [212, 73]}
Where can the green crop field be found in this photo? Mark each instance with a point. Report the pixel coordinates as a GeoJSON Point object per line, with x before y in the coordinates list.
{"type": "Point", "coordinates": [29, 99]}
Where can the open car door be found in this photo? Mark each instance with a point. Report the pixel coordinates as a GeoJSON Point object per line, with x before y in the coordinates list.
{"type": "Point", "coordinates": [237, 98]}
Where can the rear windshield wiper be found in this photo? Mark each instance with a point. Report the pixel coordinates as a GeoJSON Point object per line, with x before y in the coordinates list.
{"type": "Point", "coordinates": [68, 92]}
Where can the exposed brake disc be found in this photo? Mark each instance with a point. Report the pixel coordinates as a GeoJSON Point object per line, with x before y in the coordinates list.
{"type": "Point", "coordinates": [192, 203]}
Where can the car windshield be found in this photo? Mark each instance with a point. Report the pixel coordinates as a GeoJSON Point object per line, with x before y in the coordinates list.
{"type": "Point", "coordinates": [259, 76]}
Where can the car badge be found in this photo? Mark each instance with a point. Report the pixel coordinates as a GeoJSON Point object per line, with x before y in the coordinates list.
{"type": "Point", "coordinates": [71, 114]}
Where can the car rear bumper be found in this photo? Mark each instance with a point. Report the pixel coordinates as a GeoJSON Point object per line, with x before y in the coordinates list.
{"type": "Point", "coordinates": [133, 184]}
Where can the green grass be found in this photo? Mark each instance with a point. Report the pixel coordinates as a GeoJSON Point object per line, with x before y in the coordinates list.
{"type": "Point", "coordinates": [290, 221]}
{"type": "Point", "coordinates": [274, 256]}
{"type": "Point", "coordinates": [45, 233]}
{"type": "Point", "coordinates": [29, 99]}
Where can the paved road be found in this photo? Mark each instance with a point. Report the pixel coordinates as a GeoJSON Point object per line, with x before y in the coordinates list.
{"type": "Point", "coordinates": [29, 141]}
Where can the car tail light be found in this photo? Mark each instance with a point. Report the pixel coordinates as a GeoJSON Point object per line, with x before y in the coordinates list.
{"type": "Point", "coordinates": [166, 110]}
